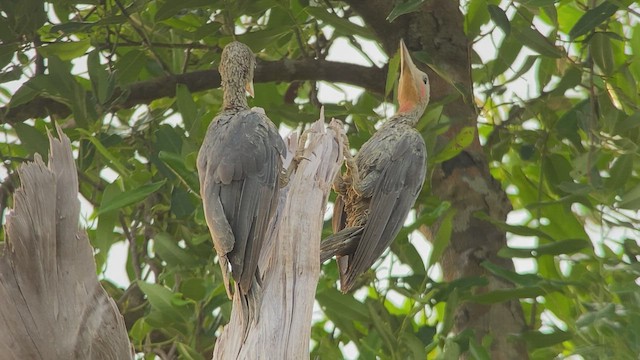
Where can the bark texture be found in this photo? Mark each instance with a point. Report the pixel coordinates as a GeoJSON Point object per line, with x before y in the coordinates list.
{"type": "Point", "coordinates": [289, 265]}
{"type": "Point", "coordinates": [438, 29]}
{"type": "Point", "coordinates": [51, 303]}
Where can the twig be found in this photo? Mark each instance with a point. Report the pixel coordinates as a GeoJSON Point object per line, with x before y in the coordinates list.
{"type": "Point", "coordinates": [144, 37]}
{"type": "Point", "coordinates": [133, 250]}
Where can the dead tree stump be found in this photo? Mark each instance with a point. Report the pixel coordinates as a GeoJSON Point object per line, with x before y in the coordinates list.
{"type": "Point", "coordinates": [51, 303]}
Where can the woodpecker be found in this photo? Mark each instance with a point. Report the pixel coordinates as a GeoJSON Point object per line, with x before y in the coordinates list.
{"type": "Point", "coordinates": [239, 167]}
{"type": "Point", "coordinates": [381, 183]}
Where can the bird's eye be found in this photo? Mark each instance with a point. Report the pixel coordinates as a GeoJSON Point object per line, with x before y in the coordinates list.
{"type": "Point", "coordinates": [425, 80]}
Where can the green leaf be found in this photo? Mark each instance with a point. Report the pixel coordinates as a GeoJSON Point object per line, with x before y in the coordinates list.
{"type": "Point", "coordinates": [65, 50]}
{"type": "Point", "coordinates": [139, 331]}
{"type": "Point", "coordinates": [31, 89]}
{"type": "Point", "coordinates": [536, 339]}
{"type": "Point", "coordinates": [517, 279]}
{"type": "Point", "coordinates": [620, 172]}
{"type": "Point", "coordinates": [341, 25]}
{"type": "Point", "coordinates": [568, 246]}
{"type": "Point", "coordinates": [187, 107]}
{"type": "Point", "coordinates": [113, 160]}
{"type": "Point", "coordinates": [7, 51]}
{"type": "Point", "coordinates": [168, 250]}
{"type": "Point", "coordinates": [602, 52]}
{"type": "Point", "coordinates": [32, 139]}
{"type": "Point", "coordinates": [343, 311]}
{"type": "Point", "coordinates": [478, 351]}
{"type": "Point", "coordinates": [352, 308]}
{"type": "Point", "coordinates": [381, 324]}
{"type": "Point", "coordinates": [556, 171]}
{"type": "Point", "coordinates": [181, 203]}
{"type": "Point", "coordinates": [521, 230]}
{"type": "Point", "coordinates": [451, 305]}
{"type": "Point", "coordinates": [477, 15]}
{"type": "Point", "coordinates": [631, 199]}
{"type": "Point", "coordinates": [502, 295]}
{"type": "Point", "coordinates": [72, 27]}
{"type": "Point", "coordinates": [392, 73]}
{"type": "Point", "coordinates": [463, 139]}
{"type": "Point", "coordinates": [500, 18]}
{"type": "Point", "coordinates": [538, 3]}
{"type": "Point", "coordinates": [406, 7]}
{"type": "Point", "coordinates": [163, 300]}
{"type": "Point", "coordinates": [408, 254]}
{"type": "Point", "coordinates": [442, 238]}
{"type": "Point", "coordinates": [176, 164]}
{"type": "Point", "coordinates": [129, 66]}
{"type": "Point", "coordinates": [193, 288]}
{"type": "Point", "coordinates": [535, 41]}
{"type": "Point", "coordinates": [101, 81]}
{"type": "Point", "coordinates": [607, 312]}
{"type": "Point", "coordinates": [186, 351]}
{"type": "Point", "coordinates": [130, 197]}
{"type": "Point", "coordinates": [593, 18]}
{"type": "Point", "coordinates": [172, 7]}
{"type": "Point", "coordinates": [105, 235]}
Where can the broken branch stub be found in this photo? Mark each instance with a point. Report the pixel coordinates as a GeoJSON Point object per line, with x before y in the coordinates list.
{"type": "Point", "coordinates": [290, 261]}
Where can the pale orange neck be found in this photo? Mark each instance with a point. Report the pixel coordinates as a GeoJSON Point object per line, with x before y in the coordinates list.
{"type": "Point", "coordinates": [406, 107]}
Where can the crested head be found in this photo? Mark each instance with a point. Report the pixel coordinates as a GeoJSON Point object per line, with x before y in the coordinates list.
{"type": "Point", "coordinates": [236, 72]}
{"type": "Point", "coordinates": [413, 87]}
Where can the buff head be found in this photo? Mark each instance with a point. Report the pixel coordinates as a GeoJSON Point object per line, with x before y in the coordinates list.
{"type": "Point", "coordinates": [413, 88]}
{"type": "Point", "coordinates": [236, 67]}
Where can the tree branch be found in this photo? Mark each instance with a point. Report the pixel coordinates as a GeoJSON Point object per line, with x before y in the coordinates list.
{"type": "Point", "coordinates": [374, 13]}
{"type": "Point", "coordinates": [371, 78]}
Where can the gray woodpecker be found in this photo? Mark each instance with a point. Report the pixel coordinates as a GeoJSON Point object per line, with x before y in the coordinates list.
{"type": "Point", "coordinates": [239, 166]}
{"type": "Point", "coordinates": [381, 183]}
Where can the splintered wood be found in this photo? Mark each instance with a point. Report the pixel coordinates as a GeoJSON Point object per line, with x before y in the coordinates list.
{"type": "Point", "coordinates": [51, 303]}
{"type": "Point", "coordinates": [290, 263]}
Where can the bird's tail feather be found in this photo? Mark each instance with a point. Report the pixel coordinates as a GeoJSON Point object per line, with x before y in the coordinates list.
{"type": "Point", "coordinates": [341, 243]}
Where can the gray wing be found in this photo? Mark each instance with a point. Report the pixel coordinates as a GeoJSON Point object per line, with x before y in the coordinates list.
{"type": "Point", "coordinates": [397, 185]}
{"type": "Point", "coordinates": [239, 165]}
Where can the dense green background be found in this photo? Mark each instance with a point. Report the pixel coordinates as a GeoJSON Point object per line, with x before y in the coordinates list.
{"type": "Point", "coordinates": [566, 149]}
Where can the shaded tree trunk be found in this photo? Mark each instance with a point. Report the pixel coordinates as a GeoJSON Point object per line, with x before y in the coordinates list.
{"type": "Point", "coordinates": [51, 303]}
{"type": "Point", "coordinates": [290, 265]}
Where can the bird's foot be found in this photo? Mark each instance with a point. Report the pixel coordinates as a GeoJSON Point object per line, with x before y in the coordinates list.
{"type": "Point", "coordinates": [340, 184]}
{"type": "Point", "coordinates": [350, 163]}
{"type": "Point", "coordinates": [285, 176]}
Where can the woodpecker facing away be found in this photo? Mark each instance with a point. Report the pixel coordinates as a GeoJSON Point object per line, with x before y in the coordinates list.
{"type": "Point", "coordinates": [239, 166]}
{"type": "Point", "coordinates": [381, 183]}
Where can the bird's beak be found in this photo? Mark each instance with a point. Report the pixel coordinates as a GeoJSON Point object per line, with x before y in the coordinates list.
{"type": "Point", "coordinates": [407, 90]}
{"type": "Point", "coordinates": [249, 88]}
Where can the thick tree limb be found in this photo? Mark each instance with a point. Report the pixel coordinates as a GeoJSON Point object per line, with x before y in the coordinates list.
{"type": "Point", "coordinates": [51, 303]}
{"type": "Point", "coordinates": [370, 78]}
{"type": "Point", "coordinates": [289, 265]}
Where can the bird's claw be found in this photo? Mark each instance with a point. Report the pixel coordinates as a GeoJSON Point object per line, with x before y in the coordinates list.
{"type": "Point", "coordinates": [285, 176]}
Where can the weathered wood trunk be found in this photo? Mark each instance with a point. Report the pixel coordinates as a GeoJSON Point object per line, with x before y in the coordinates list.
{"type": "Point", "coordinates": [290, 265]}
{"type": "Point", "coordinates": [51, 303]}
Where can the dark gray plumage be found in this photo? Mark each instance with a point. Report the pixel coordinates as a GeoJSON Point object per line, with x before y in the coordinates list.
{"type": "Point", "coordinates": [239, 165]}
{"type": "Point", "coordinates": [381, 186]}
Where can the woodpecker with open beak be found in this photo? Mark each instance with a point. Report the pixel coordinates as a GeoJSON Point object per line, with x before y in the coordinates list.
{"type": "Point", "coordinates": [239, 167]}
{"type": "Point", "coordinates": [381, 183]}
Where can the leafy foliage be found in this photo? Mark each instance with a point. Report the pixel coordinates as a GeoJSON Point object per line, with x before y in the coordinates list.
{"type": "Point", "coordinates": [559, 120]}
